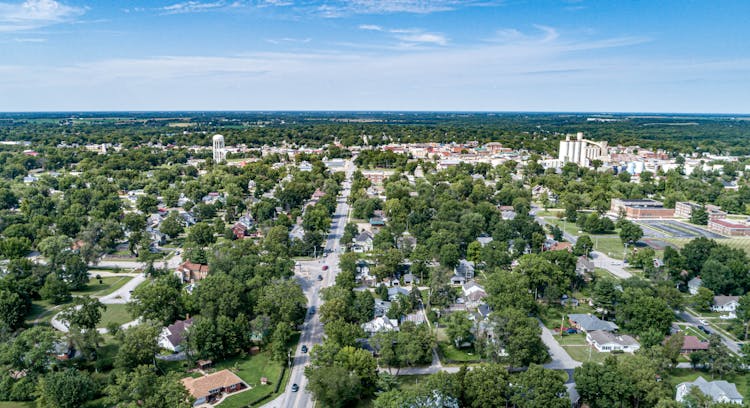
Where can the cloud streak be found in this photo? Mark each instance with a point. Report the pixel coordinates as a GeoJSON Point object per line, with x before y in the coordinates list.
{"type": "Point", "coordinates": [32, 14]}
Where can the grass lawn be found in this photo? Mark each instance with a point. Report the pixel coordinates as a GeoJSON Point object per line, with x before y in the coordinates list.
{"type": "Point", "coordinates": [115, 313]}
{"type": "Point", "coordinates": [679, 375]}
{"type": "Point", "coordinates": [17, 404]}
{"type": "Point", "coordinates": [41, 311]}
{"type": "Point", "coordinates": [578, 339]}
{"type": "Point", "coordinates": [109, 284]}
{"type": "Point", "coordinates": [251, 369]}
{"type": "Point", "coordinates": [449, 353]}
{"type": "Point", "coordinates": [581, 353]}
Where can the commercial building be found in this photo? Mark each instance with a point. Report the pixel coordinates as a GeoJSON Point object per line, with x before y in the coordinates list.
{"type": "Point", "coordinates": [728, 228]}
{"type": "Point", "coordinates": [643, 208]}
{"type": "Point", "coordinates": [581, 151]}
{"type": "Point", "coordinates": [684, 209]}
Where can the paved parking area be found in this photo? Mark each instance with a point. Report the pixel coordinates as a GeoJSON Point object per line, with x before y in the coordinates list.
{"type": "Point", "coordinates": [676, 229]}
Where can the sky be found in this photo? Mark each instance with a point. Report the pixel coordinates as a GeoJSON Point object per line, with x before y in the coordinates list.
{"type": "Point", "coordinates": [386, 55]}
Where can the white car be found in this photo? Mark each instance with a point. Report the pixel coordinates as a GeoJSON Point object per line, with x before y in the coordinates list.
{"type": "Point", "coordinates": [703, 321]}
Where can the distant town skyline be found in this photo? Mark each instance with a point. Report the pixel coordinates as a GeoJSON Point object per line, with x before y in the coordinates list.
{"type": "Point", "coordinates": [386, 55]}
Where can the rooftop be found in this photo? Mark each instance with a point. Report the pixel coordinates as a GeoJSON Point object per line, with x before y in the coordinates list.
{"type": "Point", "coordinates": [207, 385]}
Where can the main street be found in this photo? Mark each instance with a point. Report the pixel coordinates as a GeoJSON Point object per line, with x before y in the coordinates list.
{"type": "Point", "coordinates": [306, 274]}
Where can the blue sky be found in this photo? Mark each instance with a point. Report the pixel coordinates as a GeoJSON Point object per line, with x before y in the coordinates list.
{"type": "Point", "coordinates": [493, 55]}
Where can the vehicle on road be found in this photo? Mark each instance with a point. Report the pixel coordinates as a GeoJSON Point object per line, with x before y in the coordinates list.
{"type": "Point", "coordinates": [295, 387]}
{"type": "Point", "coordinates": [325, 267]}
{"type": "Point", "coordinates": [703, 321]}
{"type": "Point", "coordinates": [320, 277]}
{"type": "Point", "coordinates": [312, 310]}
{"type": "Point", "coordinates": [304, 349]}
{"type": "Point", "coordinates": [704, 330]}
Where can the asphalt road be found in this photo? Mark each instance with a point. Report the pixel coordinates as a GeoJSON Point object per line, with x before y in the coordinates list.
{"type": "Point", "coordinates": [312, 331]}
{"type": "Point", "coordinates": [732, 345]}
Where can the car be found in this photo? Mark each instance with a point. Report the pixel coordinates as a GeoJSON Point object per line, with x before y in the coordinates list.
{"type": "Point", "coordinates": [320, 277]}
{"type": "Point", "coordinates": [703, 321]}
{"type": "Point", "coordinates": [312, 310]}
{"type": "Point", "coordinates": [304, 348]}
{"type": "Point", "coordinates": [295, 387]}
{"type": "Point", "coordinates": [704, 330]}
{"type": "Point", "coordinates": [325, 267]}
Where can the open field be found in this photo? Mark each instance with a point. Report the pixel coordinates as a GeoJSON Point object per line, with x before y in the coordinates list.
{"type": "Point", "coordinates": [109, 284]}
{"type": "Point", "coordinates": [115, 314]}
{"type": "Point", "coordinates": [450, 354]}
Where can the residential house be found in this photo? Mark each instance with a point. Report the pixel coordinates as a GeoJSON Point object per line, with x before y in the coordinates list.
{"type": "Point", "coordinates": [473, 293]}
{"type": "Point", "coordinates": [507, 212]}
{"type": "Point", "coordinates": [297, 232]}
{"type": "Point", "coordinates": [377, 222]}
{"type": "Point", "coordinates": [363, 242]}
{"type": "Point", "coordinates": [380, 324]}
{"type": "Point", "coordinates": [606, 342]}
{"type": "Point", "coordinates": [484, 240]}
{"type": "Point", "coordinates": [172, 336]}
{"type": "Point", "coordinates": [587, 322]}
{"type": "Point", "coordinates": [725, 303]}
{"type": "Point", "coordinates": [191, 272]}
{"type": "Point", "coordinates": [406, 241]}
{"type": "Point", "coordinates": [694, 284]}
{"type": "Point", "coordinates": [395, 291]}
{"type": "Point", "coordinates": [718, 390]}
{"type": "Point", "coordinates": [464, 268]}
{"type": "Point", "coordinates": [239, 230]}
{"type": "Point", "coordinates": [381, 307]}
{"type": "Point", "coordinates": [210, 388]}
{"type": "Point", "coordinates": [305, 166]}
{"type": "Point", "coordinates": [409, 279]}
{"type": "Point", "coordinates": [584, 266]}
{"type": "Point", "coordinates": [692, 344]}
{"type": "Point", "coordinates": [559, 246]}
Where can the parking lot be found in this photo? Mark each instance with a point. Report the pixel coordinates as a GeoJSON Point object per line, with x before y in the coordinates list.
{"type": "Point", "coordinates": [674, 229]}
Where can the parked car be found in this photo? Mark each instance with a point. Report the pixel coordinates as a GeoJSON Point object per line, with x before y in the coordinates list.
{"type": "Point", "coordinates": [304, 348]}
{"type": "Point", "coordinates": [325, 267]}
{"type": "Point", "coordinates": [312, 310]}
{"type": "Point", "coordinates": [295, 387]}
{"type": "Point", "coordinates": [704, 330]}
{"type": "Point", "coordinates": [320, 277]}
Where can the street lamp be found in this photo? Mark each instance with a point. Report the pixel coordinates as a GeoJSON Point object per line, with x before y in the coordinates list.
{"type": "Point", "coordinates": [289, 357]}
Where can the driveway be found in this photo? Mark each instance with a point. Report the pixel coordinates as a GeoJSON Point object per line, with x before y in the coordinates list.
{"type": "Point", "coordinates": [561, 360]}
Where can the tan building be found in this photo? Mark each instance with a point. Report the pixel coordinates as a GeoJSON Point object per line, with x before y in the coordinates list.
{"type": "Point", "coordinates": [191, 272]}
{"type": "Point", "coordinates": [728, 228]}
{"type": "Point", "coordinates": [209, 388]}
{"type": "Point", "coordinates": [684, 209]}
{"type": "Point", "coordinates": [643, 208]}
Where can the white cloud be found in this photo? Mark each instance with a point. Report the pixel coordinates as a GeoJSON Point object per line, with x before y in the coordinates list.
{"type": "Point", "coordinates": [342, 8]}
{"type": "Point", "coordinates": [424, 38]}
{"type": "Point", "coordinates": [370, 27]}
{"type": "Point", "coordinates": [33, 14]}
{"type": "Point", "coordinates": [192, 7]}
{"type": "Point", "coordinates": [288, 40]}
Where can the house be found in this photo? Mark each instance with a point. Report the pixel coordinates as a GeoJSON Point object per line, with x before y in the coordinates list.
{"type": "Point", "coordinates": [565, 300]}
{"type": "Point", "coordinates": [587, 322]}
{"type": "Point", "coordinates": [483, 240]}
{"type": "Point", "coordinates": [297, 232]}
{"type": "Point", "coordinates": [507, 212]}
{"type": "Point", "coordinates": [692, 344]}
{"type": "Point", "coordinates": [239, 230]}
{"type": "Point", "coordinates": [210, 387]}
{"type": "Point", "coordinates": [694, 284]}
{"type": "Point", "coordinates": [377, 222]}
{"type": "Point", "coordinates": [473, 293]}
{"type": "Point", "coordinates": [409, 279]}
{"type": "Point", "coordinates": [381, 307]}
{"type": "Point", "coordinates": [406, 241]}
{"type": "Point", "coordinates": [718, 391]}
{"type": "Point", "coordinates": [584, 266]}
{"type": "Point", "coordinates": [484, 310]}
{"type": "Point", "coordinates": [305, 166]}
{"type": "Point", "coordinates": [380, 324]}
{"type": "Point", "coordinates": [171, 337]}
{"type": "Point", "coordinates": [560, 246]}
{"type": "Point", "coordinates": [363, 242]}
{"type": "Point", "coordinates": [395, 291]}
{"type": "Point", "coordinates": [606, 342]}
{"type": "Point", "coordinates": [191, 272]}
{"type": "Point", "coordinates": [464, 268]}
{"type": "Point", "coordinates": [725, 303]}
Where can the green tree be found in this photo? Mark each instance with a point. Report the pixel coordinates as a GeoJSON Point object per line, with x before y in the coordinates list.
{"type": "Point", "coordinates": [333, 386]}
{"type": "Point", "coordinates": [283, 301]}
{"type": "Point", "coordinates": [84, 314]}
{"type": "Point", "coordinates": [487, 386]}
{"type": "Point", "coordinates": [699, 216]}
{"type": "Point", "coordinates": [12, 309]}
{"type": "Point", "coordinates": [139, 346]}
{"type": "Point", "coordinates": [65, 389]}
{"type": "Point", "coordinates": [143, 388]}
{"type": "Point", "coordinates": [538, 387]}
{"type": "Point", "coordinates": [74, 272]}
{"type": "Point", "coordinates": [458, 327]}
{"type": "Point", "coordinates": [15, 247]}
{"type": "Point", "coordinates": [147, 204]}
{"type": "Point", "coordinates": [704, 299]}
{"type": "Point", "coordinates": [159, 299]}
{"type": "Point", "coordinates": [54, 290]}
{"type": "Point", "coordinates": [630, 232]}
{"type": "Point", "coordinates": [583, 245]}
{"type": "Point", "coordinates": [281, 336]}
{"type": "Point", "coordinates": [173, 225]}
{"type": "Point", "coordinates": [201, 234]}
{"type": "Point", "coordinates": [53, 248]}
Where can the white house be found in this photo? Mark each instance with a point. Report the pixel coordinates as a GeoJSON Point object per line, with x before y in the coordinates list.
{"type": "Point", "coordinates": [718, 391]}
{"type": "Point", "coordinates": [380, 324]}
{"type": "Point", "coordinates": [362, 242]}
{"type": "Point", "coordinates": [606, 342]}
{"type": "Point", "coordinates": [725, 303]}
{"type": "Point", "coordinates": [172, 336]}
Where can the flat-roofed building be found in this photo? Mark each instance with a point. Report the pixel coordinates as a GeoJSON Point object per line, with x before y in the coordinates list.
{"type": "Point", "coordinates": [728, 228]}
{"type": "Point", "coordinates": [642, 208]}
